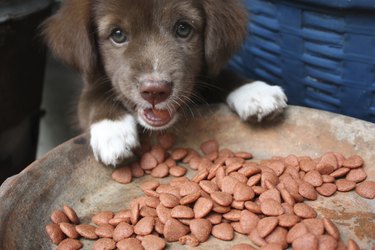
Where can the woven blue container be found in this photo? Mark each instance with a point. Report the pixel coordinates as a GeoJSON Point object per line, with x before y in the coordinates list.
{"type": "Point", "coordinates": [321, 52]}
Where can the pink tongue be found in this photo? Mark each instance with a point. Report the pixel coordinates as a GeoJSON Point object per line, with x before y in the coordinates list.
{"type": "Point", "coordinates": [158, 116]}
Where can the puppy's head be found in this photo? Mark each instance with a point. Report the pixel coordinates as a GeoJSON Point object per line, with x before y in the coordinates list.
{"type": "Point", "coordinates": [152, 51]}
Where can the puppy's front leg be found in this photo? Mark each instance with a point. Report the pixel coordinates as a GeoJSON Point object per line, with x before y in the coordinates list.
{"type": "Point", "coordinates": [113, 131]}
{"type": "Point", "coordinates": [257, 100]}
{"type": "Point", "coordinates": [113, 140]}
{"type": "Point", "coordinates": [251, 100]}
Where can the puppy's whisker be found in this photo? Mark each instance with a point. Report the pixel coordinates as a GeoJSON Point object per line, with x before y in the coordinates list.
{"type": "Point", "coordinates": [207, 85]}
{"type": "Point", "coordinates": [198, 99]}
{"type": "Point", "coordinates": [193, 103]}
{"type": "Point", "coordinates": [185, 100]}
{"type": "Point", "coordinates": [102, 80]}
{"type": "Point", "coordinates": [180, 105]}
{"type": "Point", "coordinates": [146, 131]}
{"type": "Point", "coordinates": [193, 97]}
{"type": "Point", "coordinates": [170, 110]}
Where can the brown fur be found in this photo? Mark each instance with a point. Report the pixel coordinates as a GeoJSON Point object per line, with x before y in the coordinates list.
{"type": "Point", "coordinates": [79, 35]}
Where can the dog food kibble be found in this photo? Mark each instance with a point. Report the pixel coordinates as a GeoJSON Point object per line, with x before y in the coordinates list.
{"type": "Point", "coordinates": [248, 221]}
{"type": "Point", "coordinates": [307, 191]}
{"type": "Point", "coordinates": [69, 230]}
{"type": "Point", "coordinates": [179, 154]}
{"type": "Point", "coordinates": [177, 171]}
{"type": "Point", "coordinates": [340, 172]}
{"type": "Point", "coordinates": [314, 226]}
{"type": "Point", "coordinates": [314, 178]}
{"type": "Point", "coordinates": [102, 218]}
{"type": "Point", "coordinates": [122, 231]}
{"type": "Point", "coordinates": [71, 214]}
{"type": "Point", "coordinates": [150, 185]}
{"type": "Point", "coordinates": [55, 233]}
{"type": "Point", "coordinates": [345, 185]}
{"type": "Point", "coordinates": [174, 229]}
{"type": "Point", "coordinates": [87, 231]}
{"type": "Point", "coordinates": [232, 215]}
{"type": "Point", "coordinates": [201, 229]}
{"type": "Point", "coordinates": [169, 200]}
{"type": "Point", "coordinates": [166, 140]}
{"type": "Point", "coordinates": [59, 216]}
{"type": "Point", "coordinates": [288, 220]}
{"type": "Point", "coordinates": [266, 226]}
{"type": "Point", "coordinates": [327, 242]}
{"type": "Point", "coordinates": [161, 113]}
{"type": "Point", "coordinates": [214, 218]}
{"type": "Point", "coordinates": [352, 245]}
{"type": "Point", "coordinates": [296, 231]}
{"type": "Point", "coordinates": [203, 207]}
{"type": "Point", "coordinates": [223, 231]}
{"type": "Point", "coordinates": [243, 192]}
{"type": "Point", "coordinates": [148, 161]}
{"type": "Point", "coordinates": [256, 239]}
{"type": "Point", "coordinates": [306, 241]}
{"type": "Point", "coordinates": [188, 187]}
{"type": "Point", "coordinates": [159, 153]}
{"type": "Point", "coordinates": [152, 242]}
{"type": "Point", "coordinates": [328, 178]}
{"type": "Point", "coordinates": [331, 228]}
{"type": "Point", "coordinates": [104, 244]}
{"type": "Point", "coordinates": [278, 236]}
{"type": "Point", "coordinates": [160, 171]}
{"type": "Point", "coordinates": [222, 198]}
{"type": "Point", "coordinates": [209, 146]}
{"type": "Point", "coordinates": [366, 189]}
{"type": "Point", "coordinates": [136, 170]}
{"type": "Point", "coordinates": [271, 207]}
{"type": "Point", "coordinates": [69, 244]}
{"type": "Point", "coordinates": [134, 213]}
{"type": "Point", "coordinates": [144, 226]}
{"type": "Point", "coordinates": [356, 175]}
{"type": "Point", "coordinates": [190, 198]}
{"type": "Point", "coordinates": [327, 189]}
{"type": "Point", "coordinates": [122, 175]}
{"type": "Point", "coordinates": [189, 240]}
{"type": "Point", "coordinates": [105, 231]}
{"type": "Point", "coordinates": [304, 211]}
{"type": "Point", "coordinates": [129, 243]}
{"type": "Point", "coordinates": [354, 161]}
{"type": "Point", "coordinates": [182, 212]}
{"type": "Point", "coordinates": [228, 193]}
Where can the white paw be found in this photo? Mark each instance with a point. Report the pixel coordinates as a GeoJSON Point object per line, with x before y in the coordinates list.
{"type": "Point", "coordinates": [257, 100]}
{"type": "Point", "coordinates": [113, 141]}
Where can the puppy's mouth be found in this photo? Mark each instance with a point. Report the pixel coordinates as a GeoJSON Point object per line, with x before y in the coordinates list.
{"type": "Point", "coordinates": [154, 118]}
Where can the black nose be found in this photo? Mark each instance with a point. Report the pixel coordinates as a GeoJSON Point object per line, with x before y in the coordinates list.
{"type": "Point", "coordinates": [155, 91]}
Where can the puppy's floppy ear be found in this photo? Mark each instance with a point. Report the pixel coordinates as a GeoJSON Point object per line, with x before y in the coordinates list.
{"type": "Point", "coordinates": [69, 35]}
{"type": "Point", "coordinates": [226, 22]}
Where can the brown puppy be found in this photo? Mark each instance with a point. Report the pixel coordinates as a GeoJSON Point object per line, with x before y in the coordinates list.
{"type": "Point", "coordinates": [142, 62]}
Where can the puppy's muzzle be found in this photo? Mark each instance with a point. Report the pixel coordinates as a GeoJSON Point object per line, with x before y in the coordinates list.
{"type": "Point", "coordinates": [155, 92]}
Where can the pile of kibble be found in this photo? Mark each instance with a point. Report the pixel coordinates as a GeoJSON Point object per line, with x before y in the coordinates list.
{"type": "Point", "coordinates": [229, 193]}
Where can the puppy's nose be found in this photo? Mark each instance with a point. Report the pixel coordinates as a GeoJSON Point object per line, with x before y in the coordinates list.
{"type": "Point", "coordinates": [155, 91]}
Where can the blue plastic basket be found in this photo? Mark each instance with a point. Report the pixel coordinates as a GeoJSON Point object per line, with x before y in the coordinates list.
{"type": "Point", "coordinates": [321, 52]}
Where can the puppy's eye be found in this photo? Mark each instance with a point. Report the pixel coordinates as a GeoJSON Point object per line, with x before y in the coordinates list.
{"type": "Point", "coordinates": [118, 36]}
{"type": "Point", "coordinates": [183, 29]}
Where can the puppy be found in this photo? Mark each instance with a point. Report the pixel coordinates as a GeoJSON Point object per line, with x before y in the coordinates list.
{"type": "Point", "coordinates": [144, 61]}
